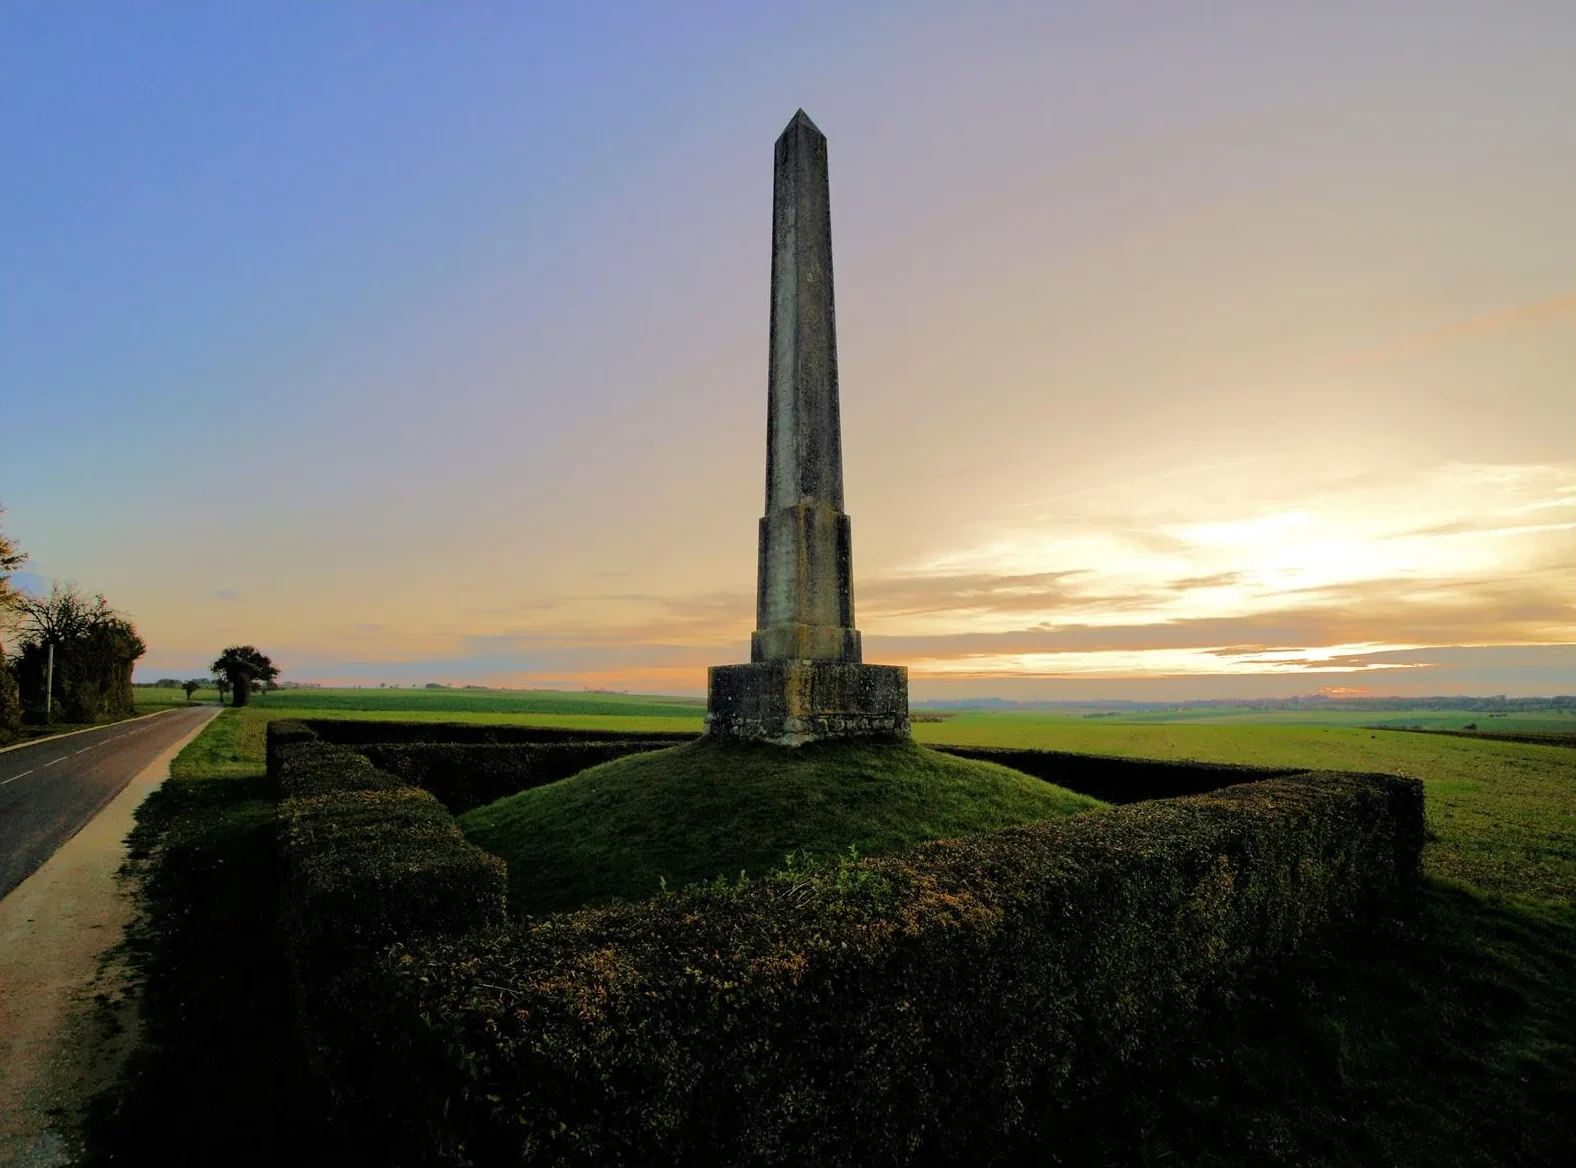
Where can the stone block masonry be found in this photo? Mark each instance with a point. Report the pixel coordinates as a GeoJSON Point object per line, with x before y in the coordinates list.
{"type": "Point", "coordinates": [794, 702]}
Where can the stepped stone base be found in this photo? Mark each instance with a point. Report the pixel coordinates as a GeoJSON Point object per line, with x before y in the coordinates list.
{"type": "Point", "coordinates": [794, 702]}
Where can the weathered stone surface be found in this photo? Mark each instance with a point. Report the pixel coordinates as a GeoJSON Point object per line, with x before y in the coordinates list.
{"type": "Point", "coordinates": [794, 702]}
{"type": "Point", "coordinates": [804, 604]}
{"type": "Point", "coordinates": [805, 588]}
{"type": "Point", "coordinates": [805, 680]}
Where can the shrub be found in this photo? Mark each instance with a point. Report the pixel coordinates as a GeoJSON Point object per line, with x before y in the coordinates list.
{"type": "Point", "coordinates": [317, 768]}
{"type": "Point", "coordinates": [942, 1005]}
{"type": "Point", "coordinates": [10, 702]}
{"type": "Point", "coordinates": [1119, 780]}
{"type": "Point", "coordinates": [467, 775]}
{"type": "Point", "coordinates": [367, 860]}
{"type": "Point", "coordinates": [284, 732]}
{"type": "Point", "coordinates": [367, 867]}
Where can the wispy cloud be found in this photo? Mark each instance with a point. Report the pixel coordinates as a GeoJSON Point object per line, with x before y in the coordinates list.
{"type": "Point", "coordinates": [1487, 550]}
{"type": "Point", "coordinates": [1552, 309]}
{"type": "Point", "coordinates": [1347, 580]}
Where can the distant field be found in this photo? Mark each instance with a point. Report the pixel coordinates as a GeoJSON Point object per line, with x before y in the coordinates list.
{"type": "Point", "coordinates": [1503, 814]}
{"type": "Point", "coordinates": [482, 701]}
{"type": "Point", "coordinates": [148, 699]}
{"type": "Point", "coordinates": [1510, 723]}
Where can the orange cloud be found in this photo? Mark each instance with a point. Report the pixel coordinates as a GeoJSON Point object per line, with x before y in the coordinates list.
{"type": "Point", "coordinates": [1533, 312]}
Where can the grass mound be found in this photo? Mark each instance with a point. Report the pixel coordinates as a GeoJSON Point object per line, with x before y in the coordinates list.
{"type": "Point", "coordinates": [711, 808]}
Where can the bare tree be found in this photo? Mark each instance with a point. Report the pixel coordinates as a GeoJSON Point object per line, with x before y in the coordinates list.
{"type": "Point", "coordinates": [97, 646]}
{"type": "Point", "coordinates": [12, 557]}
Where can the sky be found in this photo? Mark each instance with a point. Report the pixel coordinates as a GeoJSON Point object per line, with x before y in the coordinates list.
{"type": "Point", "coordinates": [1186, 350]}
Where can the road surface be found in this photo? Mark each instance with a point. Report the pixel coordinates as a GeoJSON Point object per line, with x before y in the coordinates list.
{"type": "Point", "coordinates": [50, 789]}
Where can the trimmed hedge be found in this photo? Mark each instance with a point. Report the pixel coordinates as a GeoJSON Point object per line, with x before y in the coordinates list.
{"type": "Point", "coordinates": [945, 1005]}
{"type": "Point", "coordinates": [280, 733]}
{"type": "Point", "coordinates": [367, 860]}
{"type": "Point", "coordinates": [311, 768]}
{"type": "Point", "coordinates": [465, 775]}
{"type": "Point", "coordinates": [364, 868]}
{"type": "Point", "coordinates": [1120, 780]}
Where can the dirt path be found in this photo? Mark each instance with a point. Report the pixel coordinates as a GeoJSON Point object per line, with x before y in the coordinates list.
{"type": "Point", "coordinates": [55, 930]}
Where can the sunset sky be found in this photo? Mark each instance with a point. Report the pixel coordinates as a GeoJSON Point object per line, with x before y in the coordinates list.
{"type": "Point", "coordinates": [1187, 350]}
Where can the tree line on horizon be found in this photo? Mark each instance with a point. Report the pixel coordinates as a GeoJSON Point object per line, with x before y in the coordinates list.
{"type": "Point", "coordinates": [73, 655]}
{"type": "Point", "coordinates": [73, 652]}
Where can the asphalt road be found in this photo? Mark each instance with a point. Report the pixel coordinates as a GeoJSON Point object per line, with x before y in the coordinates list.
{"type": "Point", "coordinates": [50, 789]}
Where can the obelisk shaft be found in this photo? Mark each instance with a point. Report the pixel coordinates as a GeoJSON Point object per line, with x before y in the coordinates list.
{"type": "Point", "coordinates": [805, 681]}
{"type": "Point", "coordinates": [805, 596]}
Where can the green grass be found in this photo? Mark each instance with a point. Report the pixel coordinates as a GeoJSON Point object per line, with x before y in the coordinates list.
{"type": "Point", "coordinates": [1549, 721]}
{"type": "Point", "coordinates": [1502, 814]}
{"type": "Point", "coordinates": [147, 698]}
{"type": "Point", "coordinates": [319, 702]}
{"type": "Point", "coordinates": [234, 744]}
{"type": "Point", "coordinates": [708, 808]}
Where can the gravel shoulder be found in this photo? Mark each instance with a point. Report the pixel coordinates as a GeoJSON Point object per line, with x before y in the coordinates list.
{"type": "Point", "coordinates": [57, 933]}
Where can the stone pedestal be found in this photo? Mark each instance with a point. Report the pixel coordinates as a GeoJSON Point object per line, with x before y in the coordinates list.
{"type": "Point", "coordinates": [793, 702]}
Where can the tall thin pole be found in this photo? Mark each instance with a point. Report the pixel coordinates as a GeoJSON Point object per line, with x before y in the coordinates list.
{"type": "Point", "coordinates": [49, 683]}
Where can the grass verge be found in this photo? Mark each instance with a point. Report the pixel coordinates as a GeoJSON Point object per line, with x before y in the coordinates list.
{"type": "Point", "coordinates": [709, 808]}
{"type": "Point", "coordinates": [217, 1077]}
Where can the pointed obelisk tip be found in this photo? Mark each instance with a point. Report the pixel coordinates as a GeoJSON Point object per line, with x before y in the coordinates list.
{"type": "Point", "coordinates": [800, 119]}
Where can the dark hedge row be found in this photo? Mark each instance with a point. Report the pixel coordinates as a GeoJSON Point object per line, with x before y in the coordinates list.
{"type": "Point", "coordinates": [308, 769]}
{"type": "Point", "coordinates": [466, 775]}
{"type": "Point", "coordinates": [946, 1005]}
{"type": "Point", "coordinates": [1119, 780]}
{"type": "Point", "coordinates": [351, 732]}
{"type": "Point", "coordinates": [367, 860]}
{"type": "Point", "coordinates": [364, 868]}
{"type": "Point", "coordinates": [280, 733]}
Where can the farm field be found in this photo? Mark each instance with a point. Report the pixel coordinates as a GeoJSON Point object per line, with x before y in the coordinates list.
{"type": "Point", "coordinates": [1502, 814]}
{"type": "Point", "coordinates": [315, 703]}
{"type": "Point", "coordinates": [1422, 718]}
{"type": "Point", "coordinates": [149, 698]}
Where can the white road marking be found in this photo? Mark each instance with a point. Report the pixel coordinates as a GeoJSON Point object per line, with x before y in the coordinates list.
{"type": "Point", "coordinates": [85, 749]}
{"type": "Point", "coordinates": [14, 778]}
{"type": "Point", "coordinates": [53, 761]}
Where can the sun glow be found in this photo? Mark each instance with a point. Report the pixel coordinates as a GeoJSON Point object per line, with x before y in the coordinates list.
{"type": "Point", "coordinates": [1347, 558]}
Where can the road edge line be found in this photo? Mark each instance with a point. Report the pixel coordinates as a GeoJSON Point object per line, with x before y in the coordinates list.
{"type": "Point", "coordinates": [105, 726]}
{"type": "Point", "coordinates": [32, 1101]}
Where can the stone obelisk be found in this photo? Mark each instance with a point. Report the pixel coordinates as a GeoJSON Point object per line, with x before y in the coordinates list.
{"type": "Point", "coordinates": [805, 680]}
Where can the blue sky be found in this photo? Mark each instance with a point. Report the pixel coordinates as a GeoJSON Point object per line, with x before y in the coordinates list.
{"type": "Point", "coordinates": [1219, 345]}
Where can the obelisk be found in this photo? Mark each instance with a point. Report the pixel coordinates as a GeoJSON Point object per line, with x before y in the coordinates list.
{"type": "Point", "coordinates": [805, 680]}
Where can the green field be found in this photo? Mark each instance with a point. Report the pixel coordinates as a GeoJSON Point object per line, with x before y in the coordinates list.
{"type": "Point", "coordinates": [1547, 722]}
{"type": "Point", "coordinates": [481, 701]}
{"type": "Point", "coordinates": [1502, 814]}
{"type": "Point", "coordinates": [148, 698]}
